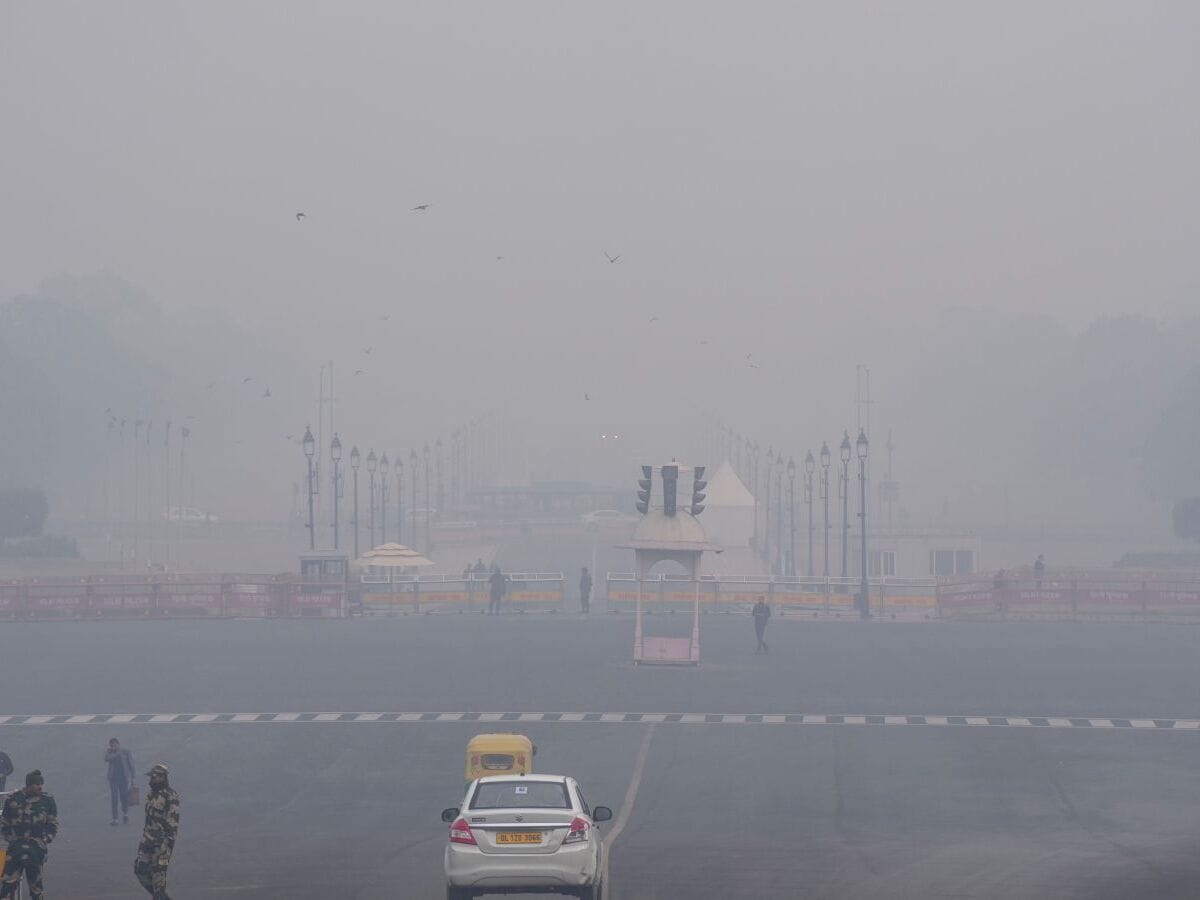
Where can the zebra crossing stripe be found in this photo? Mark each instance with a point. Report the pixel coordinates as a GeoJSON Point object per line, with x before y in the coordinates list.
{"type": "Point", "coordinates": [570, 718]}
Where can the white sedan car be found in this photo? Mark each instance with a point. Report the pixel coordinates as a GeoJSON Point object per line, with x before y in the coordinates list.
{"type": "Point", "coordinates": [524, 834]}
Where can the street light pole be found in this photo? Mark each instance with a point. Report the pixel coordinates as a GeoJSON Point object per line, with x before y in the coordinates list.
{"type": "Point", "coordinates": [861, 443]}
{"type": "Point", "coordinates": [428, 542]}
{"type": "Point", "coordinates": [383, 492]}
{"type": "Point", "coordinates": [765, 553]}
{"type": "Point", "coordinates": [354, 463]}
{"type": "Point", "coordinates": [372, 465]}
{"type": "Point", "coordinates": [412, 464]}
{"type": "Point", "coordinates": [809, 465]}
{"type": "Point", "coordinates": [779, 514]}
{"type": "Point", "coordinates": [399, 499]}
{"type": "Point", "coordinates": [844, 490]}
{"type": "Point", "coordinates": [335, 453]}
{"type": "Point", "coordinates": [310, 447]}
{"type": "Point", "coordinates": [791, 470]}
{"type": "Point", "coordinates": [825, 496]}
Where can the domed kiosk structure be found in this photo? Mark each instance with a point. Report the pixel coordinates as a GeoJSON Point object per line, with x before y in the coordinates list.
{"type": "Point", "coordinates": [669, 533]}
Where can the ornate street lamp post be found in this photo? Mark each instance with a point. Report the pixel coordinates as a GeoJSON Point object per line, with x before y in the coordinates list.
{"type": "Point", "coordinates": [412, 512]}
{"type": "Point", "coordinates": [865, 595]}
{"type": "Point", "coordinates": [354, 464]}
{"type": "Point", "coordinates": [779, 514]}
{"type": "Point", "coordinates": [809, 465]}
{"type": "Point", "coordinates": [825, 455]}
{"type": "Point", "coordinates": [372, 465]}
{"type": "Point", "coordinates": [428, 542]}
{"type": "Point", "coordinates": [844, 493]}
{"type": "Point", "coordinates": [383, 492]}
{"type": "Point", "coordinates": [791, 470]}
{"type": "Point", "coordinates": [335, 453]}
{"type": "Point", "coordinates": [310, 448]}
{"type": "Point", "coordinates": [399, 498]}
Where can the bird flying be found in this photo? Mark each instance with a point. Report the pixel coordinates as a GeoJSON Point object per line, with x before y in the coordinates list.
{"type": "Point", "coordinates": [267, 393]}
{"type": "Point", "coordinates": [421, 207]}
{"type": "Point", "coordinates": [359, 371]}
{"type": "Point", "coordinates": [247, 379]}
{"type": "Point", "coordinates": [300, 216]}
{"type": "Point", "coordinates": [611, 259]}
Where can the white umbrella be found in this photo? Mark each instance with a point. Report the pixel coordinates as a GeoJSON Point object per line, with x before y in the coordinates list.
{"type": "Point", "coordinates": [394, 556]}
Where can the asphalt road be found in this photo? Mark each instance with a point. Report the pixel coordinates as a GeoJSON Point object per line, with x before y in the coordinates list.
{"type": "Point", "coordinates": [346, 809]}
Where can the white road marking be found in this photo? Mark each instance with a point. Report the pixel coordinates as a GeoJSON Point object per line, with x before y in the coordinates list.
{"type": "Point", "coordinates": [635, 782]}
{"type": "Point", "coordinates": [1076, 723]}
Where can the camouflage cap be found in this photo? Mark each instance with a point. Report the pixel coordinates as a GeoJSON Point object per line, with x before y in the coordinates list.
{"type": "Point", "coordinates": [159, 769]}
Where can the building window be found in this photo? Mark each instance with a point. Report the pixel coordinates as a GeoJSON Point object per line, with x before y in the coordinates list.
{"type": "Point", "coordinates": [951, 562]}
{"type": "Point", "coordinates": [882, 563]}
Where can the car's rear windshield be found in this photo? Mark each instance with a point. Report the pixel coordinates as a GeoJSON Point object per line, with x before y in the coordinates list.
{"type": "Point", "coordinates": [498, 761]}
{"type": "Point", "coordinates": [521, 795]}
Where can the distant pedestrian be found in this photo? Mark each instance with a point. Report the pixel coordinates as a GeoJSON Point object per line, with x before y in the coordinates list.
{"type": "Point", "coordinates": [479, 568]}
{"type": "Point", "coordinates": [28, 824]}
{"type": "Point", "coordinates": [1039, 567]}
{"type": "Point", "coordinates": [158, 835]}
{"type": "Point", "coordinates": [497, 588]}
{"type": "Point", "coordinates": [6, 768]}
{"type": "Point", "coordinates": [761, 614]}
{"type": "Point", "coordinates": [585, 590]}
{"type": "Point", "coordinates": [120, 778]}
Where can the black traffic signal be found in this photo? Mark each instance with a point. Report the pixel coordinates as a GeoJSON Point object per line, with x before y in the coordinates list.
{"type": "Point", "coordinates": [670, 476]}
{"type": "Point", "coordinates": [698, 486]}
{"type": "Point", "coordinates": [644, 484]}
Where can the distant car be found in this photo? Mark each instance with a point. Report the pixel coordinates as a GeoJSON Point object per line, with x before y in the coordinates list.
{"type": "Point", "coordinates": [523, 834]}
{"type": "Point", "coordinates": [606, 517]}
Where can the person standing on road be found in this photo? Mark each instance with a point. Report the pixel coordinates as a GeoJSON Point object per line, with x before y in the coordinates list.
{"type": "Point", "coordinates": [761, 613]}
{"type": "Point", "coordinates": [497, 588]}
{"type": "Point", "coordinates": [1039, 567]}
{"type": "Point", "coordinates": [120, 778]}
{"type": "Point", "coordinates": [585, 591]}
{"type": "Point", "coordinates": [479, 568]}
{"type": "Point", "coordinates": [6, 768]}
{"type": "Point", "coordinates": [28, 824]}
{"type": "Point", "coordinates": [158, 835]}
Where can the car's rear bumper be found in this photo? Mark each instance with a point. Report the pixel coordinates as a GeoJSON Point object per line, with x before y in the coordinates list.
{"type": "Point", "coordinates": [567, 867]}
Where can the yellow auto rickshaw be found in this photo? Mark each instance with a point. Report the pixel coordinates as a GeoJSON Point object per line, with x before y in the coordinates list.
{"type": "Point", "coordinates": [499, 753]}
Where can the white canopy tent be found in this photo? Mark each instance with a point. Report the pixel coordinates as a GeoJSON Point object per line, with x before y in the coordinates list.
{"type": "Point", "coordinates": [728, 509]}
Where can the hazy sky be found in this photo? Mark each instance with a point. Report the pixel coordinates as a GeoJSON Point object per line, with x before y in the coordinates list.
{"type": "Point", "coordinates": [800, 181]}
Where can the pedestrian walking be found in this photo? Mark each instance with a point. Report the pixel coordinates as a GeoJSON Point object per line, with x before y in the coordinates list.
{"type": "Point", "coordinates": [120, 779]}
{"type": "Point", "coordinates": [585, 591]}
{"type": "Point", "coordinates": [761, 613]}
{"type": "Point", "coordinates": [497, 588]}
{"type": "Point", "coordinates": [479, 568]}
{"type": "Point", "coordinates": [6, 768]}
{"type": "Point", "coordinates": [28, 823]}
{"type": "Point", "coordinates": [158, 835]}
{"type": "Point", "coordinates": [1039, 567]}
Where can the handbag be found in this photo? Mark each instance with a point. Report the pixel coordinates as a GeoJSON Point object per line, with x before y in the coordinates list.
{"type": "Point", "coordinates": [135, 796]}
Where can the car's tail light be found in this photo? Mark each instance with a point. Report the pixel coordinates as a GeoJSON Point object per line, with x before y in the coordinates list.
{"type": "Point", "coordinates": [460, 832]}
{"type": "Point", "coordinates": [578, 831]}
{"type": "Point", "coordinates": [520, 760]}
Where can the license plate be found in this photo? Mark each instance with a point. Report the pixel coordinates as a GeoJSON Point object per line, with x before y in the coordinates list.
{"type": "Point", "coordinates": [518, 837]}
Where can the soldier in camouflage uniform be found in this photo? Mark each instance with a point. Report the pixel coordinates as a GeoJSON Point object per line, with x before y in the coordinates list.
{"type": "Point", "coordinates": [28, 824]}
{"type": "Point", "coordinates": [158, 836]}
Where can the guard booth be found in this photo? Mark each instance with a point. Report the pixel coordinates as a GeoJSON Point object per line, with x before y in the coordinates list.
{"type": "Point", "coordinates": [324, 577]}
{"type": "Point", "coordinates": [669, 533]}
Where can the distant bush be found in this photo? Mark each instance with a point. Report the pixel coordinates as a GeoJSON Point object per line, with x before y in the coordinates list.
{"type": "Point", "coordinates": [43, 547]}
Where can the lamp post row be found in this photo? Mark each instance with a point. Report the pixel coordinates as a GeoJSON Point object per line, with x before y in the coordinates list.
{"type": "Point", "coordinates": [375, 465]}
{"type": "Point", "coordinates": [816, 486]}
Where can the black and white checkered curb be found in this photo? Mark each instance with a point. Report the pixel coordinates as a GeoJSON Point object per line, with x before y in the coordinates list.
{"type": "Point", "coordinates": [1067, 722]}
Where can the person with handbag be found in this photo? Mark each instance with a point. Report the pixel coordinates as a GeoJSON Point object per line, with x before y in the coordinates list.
{"type": "Point", "coordinates": [120, 780]}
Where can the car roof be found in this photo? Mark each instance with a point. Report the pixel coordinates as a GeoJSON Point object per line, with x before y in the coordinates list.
{"type": "Point", "coordinates": [550, 779]}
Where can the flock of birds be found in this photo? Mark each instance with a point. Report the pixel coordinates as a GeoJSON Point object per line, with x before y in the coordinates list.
{"type": "Point", "coordinates": [424, 207]}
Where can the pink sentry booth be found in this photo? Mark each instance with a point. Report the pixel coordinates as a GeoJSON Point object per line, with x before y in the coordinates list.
{"type": "Point", "coordinates": [678, 538]}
